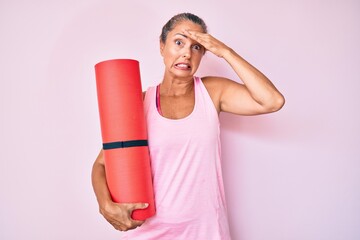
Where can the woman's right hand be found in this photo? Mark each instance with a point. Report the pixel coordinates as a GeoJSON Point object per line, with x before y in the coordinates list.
{"type": "Point", "coordinates": [119, 215]}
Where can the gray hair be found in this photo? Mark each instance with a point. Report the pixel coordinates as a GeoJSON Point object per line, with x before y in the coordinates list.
{"type": "Point", "coordinates": [170, 25]}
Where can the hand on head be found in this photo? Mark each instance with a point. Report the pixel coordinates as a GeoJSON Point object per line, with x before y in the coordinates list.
{"type": "Point", "coordinates": [208, 42]}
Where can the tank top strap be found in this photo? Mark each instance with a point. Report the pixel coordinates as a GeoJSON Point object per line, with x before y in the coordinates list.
{"type": "Point", "coordinates": [150, 96]}
{"type": "Point", "coordinates": [203, 99]}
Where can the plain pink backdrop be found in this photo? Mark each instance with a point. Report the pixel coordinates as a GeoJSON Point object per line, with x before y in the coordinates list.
{"type": "Point", "coordinates": [292, 175]}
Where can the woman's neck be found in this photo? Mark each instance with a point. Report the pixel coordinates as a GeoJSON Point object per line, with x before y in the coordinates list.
{"type": "Point", "coordinates": [176, 87]}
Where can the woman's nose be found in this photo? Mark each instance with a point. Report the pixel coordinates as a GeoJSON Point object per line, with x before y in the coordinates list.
{"type": "Point", "coordinates": [186, 53]}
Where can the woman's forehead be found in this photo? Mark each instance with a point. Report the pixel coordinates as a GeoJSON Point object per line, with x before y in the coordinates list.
{"type": "Point", "coordinates": [187, 25]}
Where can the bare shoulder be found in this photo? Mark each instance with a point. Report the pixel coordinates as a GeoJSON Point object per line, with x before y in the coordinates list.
{"type": "Point", "coordinates": [210, 84]}
{"type": "Point", "coordinates": [224, 91]}
{"type": "Point", "coordinates": [214, 85]}
{"type": "Point", "coordinates": [211, 79]}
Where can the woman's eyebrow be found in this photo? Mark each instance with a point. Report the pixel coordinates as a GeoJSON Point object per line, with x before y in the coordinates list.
{"type": "Point", "coordinates": [181, 35]}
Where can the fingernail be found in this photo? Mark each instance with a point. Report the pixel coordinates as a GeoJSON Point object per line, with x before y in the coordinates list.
{"type": "Point", "coordinates": [146, 204]}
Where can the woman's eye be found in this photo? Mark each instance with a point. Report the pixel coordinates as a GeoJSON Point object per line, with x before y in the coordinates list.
{"type": "Point", "coordinates": [178, 42]}
{"type": "Point", "coordinates": [197, 47]}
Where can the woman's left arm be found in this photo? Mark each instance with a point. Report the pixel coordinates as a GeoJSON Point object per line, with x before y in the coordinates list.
{"type": "Point", "coordinates": [257, 94]}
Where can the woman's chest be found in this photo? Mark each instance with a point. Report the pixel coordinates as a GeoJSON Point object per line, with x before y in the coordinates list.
{"type": "Point", "coordinates": [177, 107]}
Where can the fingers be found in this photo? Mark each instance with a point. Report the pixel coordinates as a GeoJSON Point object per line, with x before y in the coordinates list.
{"type": "Point", "coordinates": [197, 36]}
{"type": "Point", "coordinates": [126, 225]}
{"type": "Point", "coordinates": [208, 41]}
{"type": "Point", "coordinates": [119, 215]}
{"type": "Point", "coordinates": [134, 206]}
{"type": "Point", "coordinates": [130, 223]}
{"type": "Point", "coordinates": [137, 223]}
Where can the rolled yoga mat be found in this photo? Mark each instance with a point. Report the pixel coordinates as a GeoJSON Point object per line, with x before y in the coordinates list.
{"type": "Point", "coordinates": [124, 134]}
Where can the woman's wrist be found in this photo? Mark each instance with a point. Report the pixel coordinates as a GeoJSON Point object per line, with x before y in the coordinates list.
{"type": "Point", "coordinates": [229, 53]}
{"type": "Point", "coordinates": [105, 205]}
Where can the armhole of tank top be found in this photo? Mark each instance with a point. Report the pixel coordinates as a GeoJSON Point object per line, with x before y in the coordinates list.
{"type": "Point", "coordinates": [157, 94]}
{"type": "Point", "coordinates": [203, 87]}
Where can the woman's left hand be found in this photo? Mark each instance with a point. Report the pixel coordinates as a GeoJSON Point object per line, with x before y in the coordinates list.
{"type": "Point", "coordinates": [209, 42]}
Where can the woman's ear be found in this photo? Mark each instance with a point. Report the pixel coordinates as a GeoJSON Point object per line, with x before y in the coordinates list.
{"type": "Point", "coordinates": [162, 45]}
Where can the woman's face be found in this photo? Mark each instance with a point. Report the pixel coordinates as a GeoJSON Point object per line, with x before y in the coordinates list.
{"type": "Point", "coordinates": [181, 54]}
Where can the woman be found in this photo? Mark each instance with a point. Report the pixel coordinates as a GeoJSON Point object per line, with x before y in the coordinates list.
{"type": "Point", "coordinates": [184, 137]}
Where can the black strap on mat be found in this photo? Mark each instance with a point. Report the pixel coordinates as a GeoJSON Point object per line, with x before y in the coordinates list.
{"type": "Point", "coordinates": [125, 144]}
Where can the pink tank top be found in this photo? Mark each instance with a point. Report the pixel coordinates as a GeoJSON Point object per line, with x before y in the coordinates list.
{"type": "Point", "coordinates": [186, 165]}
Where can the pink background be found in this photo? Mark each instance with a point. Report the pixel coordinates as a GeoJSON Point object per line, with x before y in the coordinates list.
{"type": "Point", "coordinates": [292, 175]}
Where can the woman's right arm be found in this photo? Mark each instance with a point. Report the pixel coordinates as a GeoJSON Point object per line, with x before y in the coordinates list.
{"type": "Point", "coordinates": [117, 214]}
